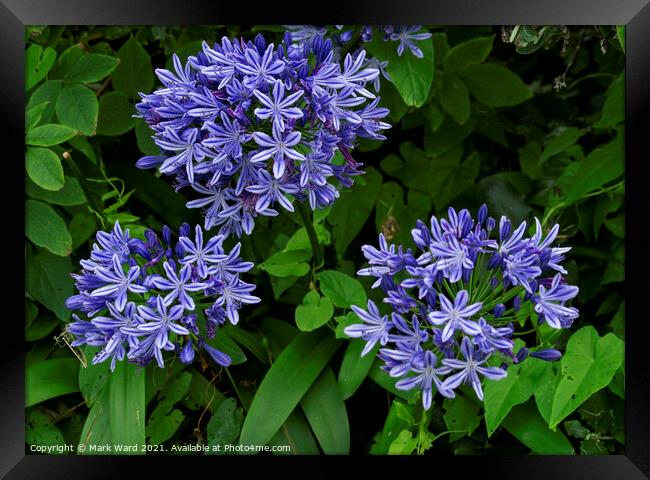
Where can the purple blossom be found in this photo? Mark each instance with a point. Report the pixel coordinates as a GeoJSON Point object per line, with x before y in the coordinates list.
{"type": "Point", "coordinates": [456, 316]}
{"type": "Point", "coordinates": [374, 329]}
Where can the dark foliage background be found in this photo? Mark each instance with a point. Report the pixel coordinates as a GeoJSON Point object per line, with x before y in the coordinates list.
{"type": "Point", "coordinates": [526, 119]}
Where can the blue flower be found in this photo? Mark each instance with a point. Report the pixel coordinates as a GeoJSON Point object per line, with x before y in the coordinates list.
{"type": "Point", "coordinates": [407, 35]}
{"type": "Point", "coordinates": [550, 303]}
{"type": "Point", "coordinates": [469, 369]}
{"type": "Point", "coordinates": [271, 190]}
{"type": "Point", "coordinates": [279, 147]}
{"type": "Point", "coordinates": [199, 255]}
{"type": "Point", "coordinates": [277, 107]}
{"type": "Point", "coordinates": [425, 379]}
{"type": "Point", "coordinates": [374, 329]}
{"type": "Point", "coordinates": [456, 315]}
{"type": "Point", "coordinates": [179, 284]}
{"type": "Point", "coordinates": [117, 283]}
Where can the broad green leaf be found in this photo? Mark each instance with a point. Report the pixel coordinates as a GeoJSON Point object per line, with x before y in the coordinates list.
{"type": "Point", "coordinates": [620, 34]}
{"type": "Point", "coordinates": [614, 107]}
{"type": "Point", "coordinates": [530, 429]}
{"type": "Point", "coordinates": [495, 85]}
{"type": "Point", "coordinates": [81, 143]}
{"type": "Point", "coordinates": [387, 382]}
{"type": "Point", "coordinates": [67, 59]}
{"type": "Point", "coordinates": [468, 53]}
{"type": "Point", "coordinates": [575, 429]}
{"type": "Point", "coordinates": [115, 114]}
{"type": "Point", "coordinates": [252, 341]}
{"type": "Point", "coordinates": [411, 76]}
{"type": "Point", "coordinates": [143, 135]}
{"type": "Point", "coordinates": [602, 165]}
{"type": "Point", "coordinates": [41, 327]}
{"type": "Point", "coordinates": [448, 136]}
{"type": "Point", "coordinates": [462, 415]}
{"type": "Point", "coordinates": [343, 290]}
{"type": "Point", "coordinates": [225, 424]}
{"type": "Point", "coordinates": [165, 420]}
{"type": "Point", "coordinates": [392, 427]}
{"type": "Point", "coordinates": [50, 379]}
{"type": "Point", "coordinates": [93, 379]}
{"type": "Point", "coordinates": [97, 428]}
{"type": "Point", "coordinates": [300, 240]}
{"type": "Point", "coordinates": [202, 393]}
{"type": "Point", "coordinates": [224, 343]}
{"type": "Point", "coordinates": [45, 228]}
{"type": "Point", "coordinates": [286, 382]}
{"type": "Point", "coordinates": [34, 114]}
{"type": "Point", "coordinates": [404, 444]}
{"type": "Point", "coordinates": [287, 264]}
{"type": "Point", "coordinates": [325, 411]}
{"type": "Point", "coordinates": [44, 168]}
{"type": "Point", "coordinates": [560, 143]}
{"type": "Point", "coordinates": [354, 367]}
{"type": "Point", "coordinates": [413, 159]}
{"type": "Point", "coordinates": [454, 176]}
{"type": "Point", "coordinates": [127, 405]}
{"type": "Point", "coordinates": [39, 430]}
{"type": "Point", "coordinates": [81, 227]}
{"type": "Point", "coordinates": [616, 225]}
{"type": "Point", "coordinates": [90, 68]}
{"type": "Point", "coordinates": [48, 281]}
{"type": "Point", "coordinates": [296, 433]}
{"type": "Point", "coordinates": [500, 396]}
{"type": "Point", "coordinates": [77, 107]}
{"type": "Point", "coordinates": [588, 365]}
{"type": "Point", "coordinates": [503, 198]}
{"type": "Point", "coordinates": [38, 63]}
{"type": "Point", "coordinates": [454, 97]}
{"type": "Point", "coordinates": [48, 135]}
{"type": "Point", "coordinates": [134, 73]}
{"type": "Point", "coordinates": [314, 312]}
{"type": "Point", "coordinates": [48, 92]}
{"type": "Point", "coordinates": [71, 193]}
{"type": "Point", "coordinates": [347, 222]}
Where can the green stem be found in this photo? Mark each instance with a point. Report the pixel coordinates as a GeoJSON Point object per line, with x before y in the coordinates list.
{"type": "Point", "coordinates": [311, 233]}
{"type": "Point", "coordinates": [234, 385]}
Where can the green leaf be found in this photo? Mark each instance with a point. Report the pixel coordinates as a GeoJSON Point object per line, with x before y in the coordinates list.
{"type": "Point", "coordinates": [394, 218]}
{"type": "Point", "coordinates": [81, 227]}
{"type": "Point", "coordinates": [392, 427]}
{"type": "Point", "coordinates": [127, 405]}
{"type": "Point", "coordinates": [325, 411]}
{"type": "Point", "coordinates": [90, 68]}
{"type": "Point", "coordinates": [286, 382]}
{"type": "Point", "coordinates": [34, 114]}
{"type": "Point", "coordinates": [314, 312]}
{"type": "Point", "coordinates": [560, 143]}
{"type": "Point", "coordinates": [225, 424]}
{"type": "Point", "coordinates": [134, 73]}
{"type": "Point", "coordinates": [347, 222]}
{"type": "Point", "coordinates": [616, 225]}
{"type": "Point", "coordinates": [39, 430]}
{"type": "Point", "coordinates": [468, 53]}
{"type": "Point", "coordinates": [614, 106]}
{"type": "Point", "coordinates": [620, 34]}
{"type": "Point", "coordinates": [81, 143]}
{"type": "Point", "coordinates": [48, 92]}
{"type": "Point", "coordinates": [575, 429]}
{"type": "Point", "coordinates": [40, 327]}
{"type": "Point", "coordinates": [404, 444]}
{"type": "Point", "coordinates": [500, 396]}
{"type": "Point", "coordinates": [97, 428]}
{"type": "Point", "coordinates": [67, 59]}
{"type": "Point", "coordinates": [224, 343]}
{"type": "Point", "coordinates": [448, 136]}
{"type": "Point", "coordinates": [530, 429]}
{"type": "Point", "coordinates": [38, 63]}
{"type": "Point", "coordinates": [143, 135]}
{"type": "Point", "coordinates": [165, 420]}
{"type": "Point", "coordinates": [495, 85]}
{"type": "Point", "coordinates": [343, 290]}
{"type": "Point", "coordinates": [602, 165]}
{"type": "Point", "coordinates": [93, 379]}
{"type": "Point", "coordinates": [71, 193]}
{"type": "Point", "coordinates": [411, 76]}
{"type": "Point", "coordinates": [461, 415]}
{"type": "Point", "coordinates": [354, 367]}
{"type": "Point", "coordinates": [45, 228]}
{"type": "Point", "coordinates": [588, 365]}
{"type": "Point", "coordinates": [48, 281]}
{"type": "Point", "coordinates": [50, 134]}
{"type": "Point", "coordinates": [454, 98]}
{"type": "Point", "coordinates": [454, 176]}
{"type": "Point", "coordinates": [44, 168]}
{"type": "Point", "coordinates": [252, 341]}
{"type": "Point", "coordinates": [50, 379]}
{"type": "Point", "coordinates": [287, 264]}
{"type": "Point", "coordinates": [296, 433]}
{"type": "Point", "coordinates": [77, 107]}
{"type": "Point", "coordinates": [115, 114]}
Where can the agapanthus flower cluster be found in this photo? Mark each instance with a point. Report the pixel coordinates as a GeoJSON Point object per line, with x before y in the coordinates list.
{"type": "Point", "coordinates": [457, 300]}
{"type": "Point", "coordinates": [249, 125]}
{"type": "Point", "coordinates": [143, 297]}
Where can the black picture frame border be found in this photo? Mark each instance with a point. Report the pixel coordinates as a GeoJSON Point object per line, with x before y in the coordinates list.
{"type": "Point", "coordinates": [635, 14]}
